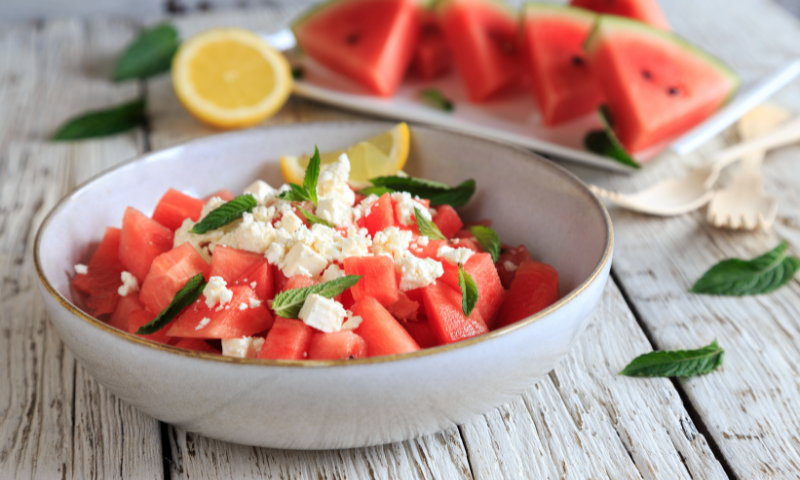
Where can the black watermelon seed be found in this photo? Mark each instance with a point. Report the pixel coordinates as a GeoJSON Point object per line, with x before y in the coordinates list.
{"type": "Point", "coordinates": [577, 61]}
{"type": "Point", "coordinates": [351, 39]}
{"type": "Point", "coordinates": [646, 74]}
{"type": "Point", "coordinates": [673, 91]}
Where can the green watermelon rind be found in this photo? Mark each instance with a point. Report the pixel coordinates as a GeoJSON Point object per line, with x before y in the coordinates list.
{"type": "Point", "coordinates": [615, 23]}
{"type": "Point", "coordinates": [558, 10]}
{"type": "Point", "coordinates": [441, 5]}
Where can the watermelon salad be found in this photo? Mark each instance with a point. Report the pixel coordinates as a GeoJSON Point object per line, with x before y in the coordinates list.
{"type": "Point", "coordinates": [317, 271]}
{"type": "Point", "coordinates": [577, 57]}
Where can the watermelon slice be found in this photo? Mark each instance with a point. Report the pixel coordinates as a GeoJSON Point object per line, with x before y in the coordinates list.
{"type": "Point", "coordinates": [646, 11]}
{"type": "Point", "coordinates": [432, 57]}
{"type": "Point", "coordinates": [336, 346]}
{"type": "Point", "coordinates": [370, 42]}
{"type": "Point", "coordinates": [287, 340]}
{"type": "Point", "coordinates": [656, 84]}
{"type": "Point", "coordinates": [483, 37]}
{"type": "Point", "coordinates": [562, 81]}
{"type": "Point", "coordinates": [102, 278]}
{"type": "Point", "coordinates": [535, 287]}
{"type": "Point", "coordinates": [384, 336]}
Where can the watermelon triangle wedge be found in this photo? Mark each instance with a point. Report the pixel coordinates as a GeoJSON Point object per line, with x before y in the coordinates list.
{"type": "Point", "coordinates": [647, 11]}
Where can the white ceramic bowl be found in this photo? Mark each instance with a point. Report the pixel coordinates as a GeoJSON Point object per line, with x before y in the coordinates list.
{"type": "Point", "coordinates": [334, 404]}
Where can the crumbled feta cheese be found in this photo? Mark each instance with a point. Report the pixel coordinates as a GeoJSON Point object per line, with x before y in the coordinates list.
{"type": "Point", "coordinates": [252, 235]}
{"type": "Point", "coordinates": [356, 244]}
{"type": "Point", "coordinates": [275, 253]}
{"type": "Point", "coordinates": [334, 211]}
{"type": "Point", "coordinates": [363, 208]}
{"type": "Point", "coordinates": [290, 222]}
{"type": "Point", "coordinates": [417, 272]}
{"type": "Point", "coordinates": [255, 303]}
{"type": "Point", "coordinates": [352, 322]}
{"type": "Point", "coordinates": [129, 284]}
{"type": "Point", "coordinates": [391, 242]}
{"type": "Point", "coordinates": [322, 313]}
{"type": "Point", "coordinates": [242, 306]}
{"type": "Point", "coordinates": [332, 273]}
{"type": "Point", "coordinates": [455, 241]}
{"type": "Point", "coordinates": [261, 190]}
{"type": "Point", "coordinates": [405, 208]}
{"type": "Point", "coordinates": [205, 321]}
{"type": "Point", "coordinates": [212, 204]}
{"type": "Point", "coordinates": [216, 292]}
{"type": "Point", "coordinates": [454, 255]}
{"type": "Point", "coordinates": [245, 347]}
{"type": "Point", "coordinates": [422, 241]}
{"type": "Point", "coordinates": [303, 260]}
{"type": "Point", "coordinates": [203, 243]}
{"type": "Point", "coordinates": [264, 214]}
{"type": "Point", "coordinates": [510, 266]}
{"type": "Point", "coordinates": [253, 285]}
{"type": "Point", "coordinates": [81, 269]}
{"type": "Point", "coordinates": [322, 239]}
{"type": "Point", "coordinates": [332, 182]}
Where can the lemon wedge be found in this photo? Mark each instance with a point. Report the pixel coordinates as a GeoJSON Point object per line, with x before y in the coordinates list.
{"type": "Point", "coordinates": [230, 78]}
{"type": "Point", "coordinates": [382, 155]}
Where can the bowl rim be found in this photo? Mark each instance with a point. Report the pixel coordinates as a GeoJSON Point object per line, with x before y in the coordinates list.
{"type": "Point", "coordinates": [562, 302]}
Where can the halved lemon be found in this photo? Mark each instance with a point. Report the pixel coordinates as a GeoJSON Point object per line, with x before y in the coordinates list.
{"type": "Point", "coordinates": [230, 78]}
{"type": "Point", "coordinates": [382, 155]}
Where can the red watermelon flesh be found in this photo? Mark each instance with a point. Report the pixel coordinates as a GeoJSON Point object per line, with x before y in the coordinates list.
{"type": "Point", "coordinates": [126, 304]}
{"type": "Point", "coordinates": [561, 77]}
{"type": "Point", "coordinates": [430, 250]}
{"type": "Point", "coordinates": [140, 318]}
{"type": "Point", "coordinates": [380, 216]}
{"type": "Point", "coordinates": [168, 274]}
{"type": "Point", "coordinates": [646, 11]}
{"type": "Point", "coordinates": [378, 278]}
{"type": "Point", "coordinates": [370, 42]}
{"type": "Point", "coordinates": [142, 240]}
{"type": "Point", "coordinates": [446, 316]}
{"type": "Point", "coordinates": [404, 308]}
{"type": "Point", "coordinates": [174, 207]}
{"type": "Point", "coordinates": [432, 57]}
{"type": "Point", "coordinates": [297, 281]}
{"type": "Point", "coordinates": [447, 220]}
{"type": "Point", "coordinates": [509, 261]}
{"type": "Point", "coordinates": [287, 340]}
{"type": "Point", "coordinates": [421, 333]}
{"type": "Point", "coordinates": [336, 346]}
{"type": "Point", "coordinates": [230, 263]}
{"type": "Point", "coordinates": [535, 287]}
{"type": "Point", "coordinates": [259, 278]}
{"type": "Point", "coordinates": [490, 290]}
{"type": "Point", "coordinates": [483, 35]}
{"type": "Point", "coordinates": [229, 322]}
{"type": "Point", "coordinates": [384, 336]}
{"type": "Point", "coordinates": [102, 278]}
{"type": "Point", "coordinates": [656, 84]}
{"type": "Point", "coordinates": [196, 344]}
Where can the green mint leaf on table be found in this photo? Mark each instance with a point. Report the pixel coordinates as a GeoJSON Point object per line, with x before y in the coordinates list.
{"type": "Point", "coordinates": [735, 277]}
{"type": "Point", "coordinates": [604, 142]}
{"type": "Point", "coordinates": [150, 54]}
{"type": "Point", "coordinates": [298, 73]}
{"type": "Point", "coordinates": [469, 291]}
{"type": "Point", "coordinates": [435, 98]}
{"type": "Point", "coordinates": [289, 303]}
{"type": "Point", "coordinates": [186, 296]}
{"type": "Point", "coordinates": [489, 240]}
{"type": "Point", "coordinates": [312, 219]}
{"type": "Point", "coordinates": [377, 191]}
{"type": "Point", "coordinates": [309, 189]}
{"type": "Point", "coordinates": [676, 363]}
{"type": "Point", "coordinates": [427, 228]}
{"type": "Point", "coordinates": [437, 193]}
{"type": "Point", "coordinates": [102, 123]}
{"type": "Point", "coordinates": [225, 214]}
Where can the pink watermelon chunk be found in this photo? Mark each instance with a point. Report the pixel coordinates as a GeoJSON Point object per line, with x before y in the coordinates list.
{"type": "Point", "coordinates": [370, 42]}
{"type": "Point", "coordinates": [142, 240]}
{"type": "Point", "coordinates": [168, 274]}
{"type": "Point", "coordinates": [432, 57]}
{"type": "Point", "coordinates": [421, 333]}
{"type": "Point", "coordinates": [140, 318]}
{"type": "Point", "coordinates": [230, 263]}
{"type": "Point", "coordinates": [384, 336]}
{"type": "Point", "coordinates": [490, 289]}
{"type": "Point", "coordinates": [379, 279]}
{"type": "Point", "coordinates": [646, 11]}
{"type": "Point", "coordinates": [336, 346]}
{"type": "Point", "coordinates": [656, 84]}
{"type": "Point", "coordinates": [127, 304]}
{"type": "Point", "coordinates": [447, 220]}
{"type": "Point", "coordinates": [174, 207]}
{"type": "Point", "coordinates": [229, 322]}
{"type": "Point", "coordinates": [535, 287]}
{"type": "Point", "coordinates": [380, 216]}
{"type": "Point", "coordinates": [102, 278]}
{"type": "Point", "coordinates": [404, 308]}
{"type": "Point", "coordinates": [509, 261]}
{"type": "Point", "coordinates": [287, 340]}
{"type": "Point", "coordinates": [446, 317]}
{"type": "Point", "coordinates": [259, 278]}
{"type": "Point", "coordinates": [198, 345]}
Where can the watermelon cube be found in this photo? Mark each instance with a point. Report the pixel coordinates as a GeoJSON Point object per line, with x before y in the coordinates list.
{"type": "Point", "coordinates": [336, 346]}
{"type": "Point", "coordinates": [446, 317]}
{"type": "Point", "coordinates": [404, 308]}
{"type": "Point", "coordinates": [380, 216]}
{"type": "Point", "coordinates": [102, 278]}
{"type": "Point", "coordinates": [140, 318]}
{"type": "Point", "coordinates": [379, 279]}
{"type": "Point", "coordinates": [384, 336]}
{"type": "Point", "coordinates": [421, 332]}
{"type": "Point", "coordinates": [535, 287]}
{"type": "Point", "coordinates": [230, 263]}
{"type": "Point", "coordinates": [127, 304]}
{"type": "Point", "coordinates": [490, 289]}
{"type": "Point", "coordinates": [174, 207]}
{"type": "Point", "coordinates": [510, 259]}
{"type": "Point", "coordinates": [141, 241]}
{"type": "Point", "coordinates": [287, 340]}
{"type": "Point", "coordinates": [197, 344]}
{"type": "Point", "coordinates": [259, 278]}
{"type": "Point", "coordinates": [298, 281]}
{"type": "Point", "coordinates": [447, 220]}
{"type": "Point", "coordinates": [238, 318]}
{"type": "Point", "coordinates": [169, 273]}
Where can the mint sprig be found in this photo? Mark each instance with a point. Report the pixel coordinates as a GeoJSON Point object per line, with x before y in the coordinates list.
{"type": "Point", "coordinates": [489, 240]}
{"type": "Point", "coordinates": [676, 363]}
{"type": "Point", "coordinates": [438, 193]}
{"type": "Point", "coordinates": [289, 303]}
{"type": "Point", "coordinates": [312, 219]}
{"type": "Point", "coordinates": [436, 99]}
{"type": "Point", "coordinates": [150, 54]}
{"type": "Point", "coordinates": [225, 214]}
{"type": "Point", "coordinates": [427, 228]}
{"type": "Point", "coordinates": [604, 142]}
{"type": "Point", "coordinates": [309, 189]}
{"type": "Point", "coordinates": [736, 277]}
{"type": "Point", "coordinates": [469, 291]}
{"type": "Point", "coordinates": [102, 123]}
{"type": "Point", "coordinates": [186, 296]}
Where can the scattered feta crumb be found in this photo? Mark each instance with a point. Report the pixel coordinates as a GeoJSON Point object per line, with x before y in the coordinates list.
{"type": "Point", "coordinates": [81, 269]}
{"type": "Point", "coordinates": [245, 347]}
{"type": "Point", "coordinates": [205, 321]}
{"type": "Point", "coordinates": [405, 208]}
{"type": "Point", "coordinates": [203, 243]}
{"type": "Point", "coordinates": [264, 214]}
{"type": "Point", "coordinates": [332, 182]}
{"type": "Point", "coordinates": [322, 313]}
{"type": "Point", "coordinates": [510, 266]}
{"type": "Point", "coordinates": [417, 272]}
{"type": "Point", "coordinates": [454, 255]}
{"type": "Point", "coordinates": [356, 244]}
{"type": "Point", "coordinates": [217, 292]}
{"type": "Point", "coordinates": [422, 241]}
{"type": "Point", "coordinates": [129, 284]}
{"type": "Point", "coordinates": [255, 303]}
{"type": "Point", "coordinates": [363, 208]}
{"type": "Point", "coordinates": [253, 285]}
{"type": "Point", "coordinates": [250, 235]}
{"type": "Point", "coordinates": [242, 306]}
{"type": "Point", "coordinates": [290, 222]}
{"type": "Point", "coordinates": [391, 242]}
{"type": "Point", "coordinates": [261, 191]}
{"type": "Point", "coordinates": [332, 273]}
{"type": "Point", "coordinates": [352, 322]}
{"type": "Point", "coordinates": [334, 211]}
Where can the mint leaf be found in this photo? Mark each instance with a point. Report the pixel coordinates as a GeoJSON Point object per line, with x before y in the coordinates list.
{"type": "Point", "coordinates": [289, 303]}
{"type": "Point", "coordinates": [604, 142]}
{"type": "Point", "coordinates": [312, 219]}
{"type": "Point", "coordinates": [469, 291]}
{"type": "Point", "coordinates": [735, 277]}
{"type": "Point", "coordinates": [150, 54]}
{"type": "Point", "coordinates": [296, 194]}
{"type": "Point", "coordinates": [489, 240]}
{"type": "Point", "coordinates": [312, 174]}
{"type": "Point", "coordinates": [437, 193]}
{"type": "Point", "coordinates": [102, 123]}
{"type": "Point", "coordinates": [225, 213]}
{"type": "Point", "coordinates": [377, 191]}
{"type": "Point", "coordinates": [676, 363]}
{"type": "Point", "coordinates": [435, 98]}
{"type": "Point", "coordinates": [427, 228]}
{"type": "Point", "coordinates": [186, 296]}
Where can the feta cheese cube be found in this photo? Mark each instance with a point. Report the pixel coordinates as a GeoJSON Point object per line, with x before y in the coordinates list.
{"type": "Point", "coordinates": [334, 211]}
{"type": "Point", "coordinates": [322, 313]}
{"type": "Point", "coordinates": [253, 236]}
{"type": "Point", "coordinates": [454, 255]}
{"type": "Point", "coordinates": [217, 292]}
{"type": "Point", "coordinates": [303, 260]}
{"type": "Point", "coordinates": [391, 242]}
{"type": "Point", "coordinates": [245, 347]}
{"type": "Point", "coordinates": [129, 284]}
{"type": "Point", "coordinates": [352, 322]}
{"type": "Point", "coordinates": [290, 222]}
{"type": "Point", "coordinates": [261, 190]}
{"type": "Point", "coordinates": [417, 272]}
{"type": "Point", "coordinates": [81, 269]}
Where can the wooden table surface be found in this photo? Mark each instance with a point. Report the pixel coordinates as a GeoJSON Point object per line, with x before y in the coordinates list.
{"type": "Point", "coordinates": [582, 421]}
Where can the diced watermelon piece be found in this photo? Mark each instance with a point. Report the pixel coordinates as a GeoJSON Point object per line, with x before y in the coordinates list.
{"type": "Point", "coordinates": [298, 281]}
{"type": "Point", "coordinates": [483, 37]}
{"type": "Point", "coordinates": [140, 318]}
{"type": "Point", "coordinates": [174, 207]}
{"type": "Point", "coordinates": [421, 333]}
{"type": "Point", "coordinates": [367, 41]}
{"type": "Point", "coordinates": [379, 278]}
{"type": "Point", "coordinates": [346, 299]}
{"type": "Point", "coordinates": [384, 336]}
{"type": "Point", "coordinates": [259, 278]}
{"type": "Point", "coordinates": [490, 290]}
{"type": "Point", "coordinates": [469, 242]}
{"type": "Point", "coordinates": [278, 278]}
{"type": "Point", "coordinates": [432, 57]}
{"type": "Point", "coordinates": [229, 322]}
{"type": "Point", "coordinates": [169, 273]}
{"type": "Point", "coordinates": [102, 279]}
{"type": "Point", "coordinates": [127, 304]}
{"type": "Point", "coordinates": [563, 83]}
{"type": "Point", "coordinates": [430, 250]}
{"type": "Point", "coordinates": [508, 262]}
{"type": "Point", "coordinates": [447, 220]}
{"type": "Point", "coordinates": [336, 346]}
{"type": "Point", "coordinates": [446, 317]}
{"type": "Point", "coordinates": [646, 11]}
{"type": "Point", "coordinates": [287, 340]}
{"type": "Point", "coordinates": [381, 215]}
{"type": "Point", "coordinates": [225, 195]}
{"type": "Point", "coordinates": [416, 296]}
{"type": "Point", "coordinates": [141, 241]}
{"type": "Point", "coordinates": [404, 308]}
{"type": "Point", "coordinates": [230, 263]}
{"type": "Point", "coordinates": [197, 344]}
{"type": "Point", "coordinates": [535, 287]}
